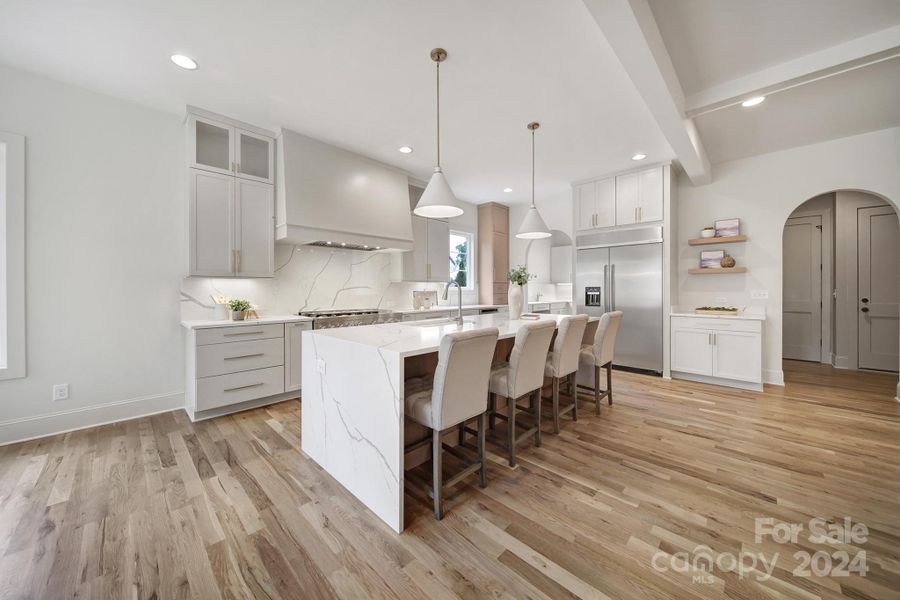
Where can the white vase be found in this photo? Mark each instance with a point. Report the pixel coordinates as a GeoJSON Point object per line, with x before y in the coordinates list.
{"type": "Point", "coordinates": [516, 299]}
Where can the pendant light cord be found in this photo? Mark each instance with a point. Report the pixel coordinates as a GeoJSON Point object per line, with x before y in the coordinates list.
{"type": "Point", "coordinates": [438, 72]}
{"type": "Point", "coordinates": [532, 168]}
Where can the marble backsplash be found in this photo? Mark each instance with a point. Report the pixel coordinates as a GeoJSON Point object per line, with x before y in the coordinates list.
{"type": "Point", "coordinates": [312, 278]}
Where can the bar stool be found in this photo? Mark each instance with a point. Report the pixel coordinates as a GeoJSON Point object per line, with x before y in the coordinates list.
{"type": "Point", "coordinates": [522, 376]}
{"type": "Point", "coordinates": [562, 363]}
{"type": "Point", "coordinates": [454, 396]}
{"type": "Point", "coordinates": [599, 353]}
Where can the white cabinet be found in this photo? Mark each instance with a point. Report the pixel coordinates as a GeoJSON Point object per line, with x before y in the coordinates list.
{"type": "Point", "coordinates": [222, 147]}
{"type": "Point", "coordinates": [293, 335]}
{"type": "Point", "coordinates": [429, 259]}
{"type": "Point", "coordinates": [232, 227]}
{"type": "Point", "coordinates": [622, 200]}
{"type": "Point", "coordinates": [596, 204]}
{"type": "Point", "coordinates": [211, 232]}
{"type": "Point", "coordinates": [254, 241]}
{"type": "Point", "coordinates": [639, 197]}
{"type": "Point", "coordinates": [722, 350]}
{"type": "Point", "coordinates": [231, 365]}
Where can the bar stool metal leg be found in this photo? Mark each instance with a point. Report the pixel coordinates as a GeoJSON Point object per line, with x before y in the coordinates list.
{"type": "Point", "coordinates": [608, 384]}
{"type": "Point", "coordinates": [573, 393]}
{"type": "Point", "coordinates": [511, 429]}
{"type": "Point", "coordinates": [492, 403]}
{"type": "Point", "coordinates": [481, 427]}
{"type": "Point", "coordinates": [437, 473]}
{"type": "Point", "coordinates": [555, 386]}
{"type": "Point", "coordinates": [537, 416]}
{"type": "Point", "coordinates": [597, 388]}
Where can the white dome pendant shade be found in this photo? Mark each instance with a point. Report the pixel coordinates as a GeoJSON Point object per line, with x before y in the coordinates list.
{"type": "Point", "coordinates": [438, 201]}
{"type": "Point", "coordinates": [533, 226]}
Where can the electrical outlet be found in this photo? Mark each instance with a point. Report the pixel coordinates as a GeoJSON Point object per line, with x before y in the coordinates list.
{"type": "Point", "coordinates": [60, 392]}
{"type": "Point", "coordinates": [759, 294]}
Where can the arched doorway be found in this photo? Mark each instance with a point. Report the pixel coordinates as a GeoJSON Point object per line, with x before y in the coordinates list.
{"type": "Point", "coordinates": [841, 282]}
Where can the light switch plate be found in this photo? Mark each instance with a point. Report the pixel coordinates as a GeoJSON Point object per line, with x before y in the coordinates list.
{"type": "Point", "coordinates": [759, 294]}
{"type": "Point", "coordinates": [60, 392]}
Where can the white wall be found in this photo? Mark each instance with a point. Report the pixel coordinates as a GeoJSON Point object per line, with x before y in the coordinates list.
{"type": "Point", "coordinates": [763, 191]}
{"type": "Point", "coordinates": [105, 221]}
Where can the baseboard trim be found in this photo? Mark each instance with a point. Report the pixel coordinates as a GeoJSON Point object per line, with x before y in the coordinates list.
{"type": "Point", "coordinates": [38, 426]}
{"type": "Point", "coordinates": [773, 377]}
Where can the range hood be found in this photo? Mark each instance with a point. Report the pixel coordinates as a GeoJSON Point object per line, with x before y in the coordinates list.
{"type": "Point", "coordinates": [328, 196]}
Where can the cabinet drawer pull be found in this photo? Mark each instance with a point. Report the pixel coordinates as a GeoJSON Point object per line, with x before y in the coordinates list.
{"type": "Point", "coordinates": [243, 387]}
{"type": "Point", "coordinates": [243, 333]}
{"type": "Point", "coordinates": [245, 356]}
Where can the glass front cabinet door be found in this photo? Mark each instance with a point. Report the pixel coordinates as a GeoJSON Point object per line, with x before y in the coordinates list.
{"type": "Point", "coordinates": [222, 148]}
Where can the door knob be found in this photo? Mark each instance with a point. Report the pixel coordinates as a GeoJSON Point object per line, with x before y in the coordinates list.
{"type": "Point", "coordinates": [864, 300]}
{"type": "Point", "coordinates": [864, 309]}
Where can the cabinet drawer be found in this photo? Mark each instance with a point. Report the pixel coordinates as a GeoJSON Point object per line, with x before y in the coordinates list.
{"type": "Point", "coordinates": [717, 324]}
{"type": "Point", "coordinates": [239, 333]}
{"type": "Point", "coordinates": [233, 388]}
{"type": "Point", "coordinates": [219, 359]}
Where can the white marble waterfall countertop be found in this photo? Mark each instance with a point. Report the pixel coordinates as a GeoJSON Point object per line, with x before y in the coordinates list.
{"type": "Point", "coordinates": [422, 337]}
{"type": "Point", "coordinates": [265, 320]}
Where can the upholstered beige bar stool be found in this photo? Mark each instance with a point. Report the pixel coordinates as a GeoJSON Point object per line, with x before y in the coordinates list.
{"type": "Point", "coordinates": [521, 378]}
{"type": "Point", "coordinates": [562, 364]}
{"type": "Point", "coordinates": [454, 396]}
{"type": "Point", "coordinates": [597, 353]}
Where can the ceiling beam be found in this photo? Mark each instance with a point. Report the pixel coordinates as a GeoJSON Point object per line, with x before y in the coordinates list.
{"type": "Point", "coordinates": [853, 54]}
{"type": "Point", "coordinates": [631, 31]}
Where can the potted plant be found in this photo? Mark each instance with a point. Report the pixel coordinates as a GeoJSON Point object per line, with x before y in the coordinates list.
{"type": "Point", "coordinates": [238, 308]}
{"type": "Point", "coordinates": [518, 277]}
{"type": "Point", "coordinates": [708, 232]}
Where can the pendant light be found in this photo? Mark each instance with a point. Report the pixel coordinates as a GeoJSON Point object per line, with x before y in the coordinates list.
{"type": "Point", "coordinates": [438, 201]}
{"type": "Point", "coordinates": [533, 226]}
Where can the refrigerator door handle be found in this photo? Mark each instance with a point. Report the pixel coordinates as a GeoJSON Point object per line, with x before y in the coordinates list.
{"type": "Point", "coordinates": [605, 288]}
{"type": "Point", "coordinates": [612, 282]}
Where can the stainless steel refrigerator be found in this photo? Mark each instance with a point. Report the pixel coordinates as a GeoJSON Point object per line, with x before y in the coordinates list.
{"type": "Point", "coordinates": [622, 270]}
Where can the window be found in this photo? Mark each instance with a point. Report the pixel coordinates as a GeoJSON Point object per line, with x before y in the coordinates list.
{"type": "Point", "coordinates": [461, 259]}
{"type": "Point", "coordinates": [12, 256]}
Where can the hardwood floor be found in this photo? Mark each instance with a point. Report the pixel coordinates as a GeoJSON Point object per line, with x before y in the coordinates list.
{"type": "Point", "coordinates": [162, 508]}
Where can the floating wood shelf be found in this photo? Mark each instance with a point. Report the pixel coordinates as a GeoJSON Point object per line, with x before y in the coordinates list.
{"type": "Point", "coordinates": [729, 239]}
{"type": "Point", "coordinates": [717, 270]}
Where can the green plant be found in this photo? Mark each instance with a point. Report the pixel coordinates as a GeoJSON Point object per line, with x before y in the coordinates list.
{"type": "Point", "coordinates": [520, 275]}
{"type": "Point", "coordinates": [238, 305]}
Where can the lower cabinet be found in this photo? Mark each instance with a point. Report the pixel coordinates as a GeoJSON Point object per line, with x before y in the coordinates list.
{"type": "Point", "coordinates": [720, 350]}
{"type": "Point", "coordinates": [293, 333]}
{"type": "Point", "coordinates": [236, 364]}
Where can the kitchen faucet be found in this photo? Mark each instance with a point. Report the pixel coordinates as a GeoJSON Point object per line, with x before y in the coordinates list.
{"type": "Point", "coordinates": [459, 317]}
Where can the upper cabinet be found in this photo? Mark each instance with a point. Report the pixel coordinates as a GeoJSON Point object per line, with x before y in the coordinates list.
{"type": "Point", "coordinates": [229, 149]}
{"type": "Point", "coordinates": [231, 192]}
{"type": "Point", "coordinates": [596, 202]}
{"type": "Point", "coordinates": [493, 253]}
{"type": "Point", "coordinates": [429, 260]}
{"type": "Point", "coordinates": [622, 200]}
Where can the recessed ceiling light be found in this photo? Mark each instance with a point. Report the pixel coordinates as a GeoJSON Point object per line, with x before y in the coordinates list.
{"type": "Point", "coordinates": [185, 62]}
{"type": "Point", "coordinates": [753, 101]}
{"type": "Point", "coordinates": [638, 156]}
{"type": "Point", "coordinates": [405, 149]}
{"type": "Point", "coordinates": [507, 190]}
{"type": "Point", "coordinates": [343, 243]}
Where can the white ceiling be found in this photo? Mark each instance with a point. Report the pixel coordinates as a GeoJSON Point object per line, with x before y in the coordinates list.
{"type": "Point", "coordinates": [356, 73]}
{"type": "Point", "coordinates": [847, 104]}
{"type": "Point", "coordinates": [712, 41]}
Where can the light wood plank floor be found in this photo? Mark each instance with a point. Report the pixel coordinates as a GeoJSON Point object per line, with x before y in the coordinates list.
{"type": "Point", "coordinates": [162, 508]}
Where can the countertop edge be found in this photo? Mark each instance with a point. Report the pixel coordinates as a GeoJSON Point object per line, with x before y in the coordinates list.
{"type": "Point", "coordinates": [742, 316]}
{"type": "Point", "coordinates": [209, 324]}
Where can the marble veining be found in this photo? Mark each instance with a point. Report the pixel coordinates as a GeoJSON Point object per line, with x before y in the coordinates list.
{"type": "Point", "coordinates": [311, 278]}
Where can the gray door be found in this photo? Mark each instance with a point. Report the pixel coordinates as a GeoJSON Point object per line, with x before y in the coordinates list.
{"type": "Point", "coordinates": [636, 290]}
{"type": "Point", "coordinates": [802, 289]}
{"type": "Point", "coordinates": [879, 288]}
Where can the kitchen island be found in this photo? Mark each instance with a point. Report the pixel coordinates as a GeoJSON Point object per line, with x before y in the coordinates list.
{"type": "Point", "coordinates": [353, 400]}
